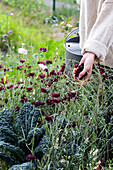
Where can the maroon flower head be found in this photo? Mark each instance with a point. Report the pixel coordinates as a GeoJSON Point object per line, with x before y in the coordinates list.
{"type": "Point", "coordinates": [30, 158]}
{"type": "Point", "coordinates": [71, 94]}
{"type": "Point", "coordinates": [22, 61]}
{"type": "Point", "coordinates": [55, 94]}
{"type": "Point", "coordinates": [48, 62]}
{"type": "Point", "coordinates": [38, 103]}
{"type": "Point", "coordinates": [2, 88]}
{"type": "Point", "coordinates": [49, 118]}
{"type": "Point", "coordinates": [41, 76]}
{"type": "Point", "coordinates": [40, 62]}
{"type": "Point", "coordinates": [17, 108]}
{"type": "Point", "coordinates": [31, 74]}
{"type": "Point", "coordinates": [56, 100]}
{"type": "Point", "coordinates": [53, 72]}
{"type": "Point", "coordinates": [6, 101]}
{"type": "Point", "coordinates": [49, 102]}
{"type": "Point", "coordinates": [28, 66]}
{"type": "Point", "coordinates": [43, 90]}
{"type": "Point", "coordinates": [19, 68]}
{"type": "Point", "coordinates": [73, 124]}
{"type": "Point", "coordinates": [9, 87]}
{"type": "Point", "coordinates": [29, 89]}
{"type": "Point", "coordinates": [43, 49]}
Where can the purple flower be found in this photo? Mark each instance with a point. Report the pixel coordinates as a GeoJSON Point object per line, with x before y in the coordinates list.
{"type": "Point", "coordinates": [48, 62]}
{"type": "Point", "coordinates": [43, 90]}
{"type": "Point", "coordinates": [10, 31]}
{"type": "Point", "coordinates": [49, 102]}
{"type": "Point", "coordinates": [49, 118]}
{"type": "Point", "coordinates": [55, 94]}
{"type": "Point", "coordinates": [30, 158]}
{"type": "Point", "coordinates": [31, 46]}
{"type": "Point", "coordinates": [5, 35]}
{"type": "Point", "coordinates": [3, 40]}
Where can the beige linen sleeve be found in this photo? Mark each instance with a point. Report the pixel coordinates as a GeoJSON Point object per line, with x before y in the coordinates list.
{"type": "Point", "coordinates": [101, 34]}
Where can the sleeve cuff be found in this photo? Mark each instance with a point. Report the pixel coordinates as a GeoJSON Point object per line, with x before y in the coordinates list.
{"type": "Point", "coordinates": [96, 47]}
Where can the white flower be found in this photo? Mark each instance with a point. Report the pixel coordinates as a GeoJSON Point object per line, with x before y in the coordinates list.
{"type": "Point", "coordinates": [22, 51]}
{"type": "Point", "coordinates": [43, 67]}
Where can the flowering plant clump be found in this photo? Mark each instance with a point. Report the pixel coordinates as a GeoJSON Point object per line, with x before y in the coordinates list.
{"type": "Point", "coordinates": [52, 122]}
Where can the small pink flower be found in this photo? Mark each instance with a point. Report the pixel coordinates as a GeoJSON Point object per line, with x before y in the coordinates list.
{"type": "Point", "coordinates": [5, 35]}
{"type": "Point", "coordinates": [3, 40]}
{"type": "Point", "coordinates": [22, 51]}
{"type": "Point", "coordinates": [10, 31]}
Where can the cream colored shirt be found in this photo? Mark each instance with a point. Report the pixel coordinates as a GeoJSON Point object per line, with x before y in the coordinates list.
{"type": "Point", "coordinates": [96, 29]}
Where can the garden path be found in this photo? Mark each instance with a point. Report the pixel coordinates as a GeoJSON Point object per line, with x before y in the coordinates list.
{"type": "Point", "coordinates": [58, 4]}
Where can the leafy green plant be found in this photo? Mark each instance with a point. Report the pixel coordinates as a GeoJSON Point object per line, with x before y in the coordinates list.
{"type": "Point", "coordinates": [23, 138]}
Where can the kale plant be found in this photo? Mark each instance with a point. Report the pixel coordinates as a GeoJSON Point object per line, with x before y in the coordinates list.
{"type": "Point", "coordinates": [22, 140]}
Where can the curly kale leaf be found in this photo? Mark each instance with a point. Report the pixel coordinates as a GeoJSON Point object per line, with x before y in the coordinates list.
{"type": "Point", "coordinates": [24, 166]}
{"type": "Point", "coordinates": [32, 119]}
{"type": "Point", "coordinates": [22, 118]}
{"type": "Point", "coordinates": [7, 158]}
{"type": "Point", "coordinates": [16, 151]}
{"type": "Point", "coordinates": [42, 147]}
{"type": "Point", "coordinates": [8, 135]}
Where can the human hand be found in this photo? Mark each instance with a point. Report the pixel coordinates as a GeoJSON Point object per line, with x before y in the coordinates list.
{"type": "Point", "coordinates": [88, 61]}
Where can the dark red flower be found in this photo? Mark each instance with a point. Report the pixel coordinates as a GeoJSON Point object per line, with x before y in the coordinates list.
{"type": "Point", "coordinates": [49, 102]}
{"type": "Point", "coordinates": [49, 118]}
{"type": "Point", "coordinates": [53, 72]}
{"type": "Point", "coordinates": [55, 94]}
{"type": "Point", "coordinates": [73, 124]}
{"type": "Point", "coordinates": [43, 49]}
{"type": "Point", "coordinates": [20, 82]}
{"type": "Point", "coordinates": [2, 88]}
{"type": "Point", "coordinates": [19, 68]}
{"type": "Point", "coordinates": [22, 61]}
{"type": "Point", "coordinates": [6, 101]}
{"type": "Point", "coordinates": [48, 62]}
{"type": "Point", "coordinates": [40, 62]}
{"type": "Point", "coordinates": [31, 74]}
{"type": "Point", "coordinates": [71, 94]}
{"type": "Point", "coordinates": [56, 100]}
{"type": "Point", "coordinates": [30, 158]}
{"type": "Point", "coordinates": [9, 87]}
{"type": "Point", "coordinates": [43, 90]}
{"type": "Point", "coordinates": [38, 103]}
{"type": "Point", "coordinates": [17, 108]}
{"type": "Point", "coordinates": [6, 69]}
{"type": "Point", "coordinates": [41, 76]}
{"type": "Point", "coordinates": [28, 66]}
{"type": "Point", "coordinates": [29, 89]}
